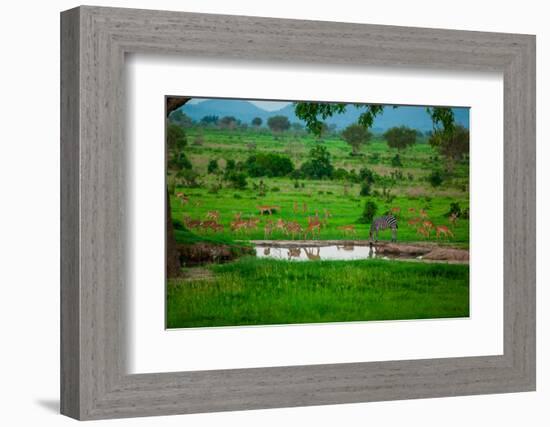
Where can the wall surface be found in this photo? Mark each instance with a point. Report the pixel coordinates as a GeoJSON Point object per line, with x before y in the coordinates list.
{"type": "Point", "coordinates": [29, 214]}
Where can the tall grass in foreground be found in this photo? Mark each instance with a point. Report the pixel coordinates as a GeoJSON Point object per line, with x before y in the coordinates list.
{"type": "Point", "coordinates": [254, 291]}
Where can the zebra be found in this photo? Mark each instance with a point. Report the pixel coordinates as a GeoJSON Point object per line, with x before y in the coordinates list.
{"type": "Point", "coordinates": [381, 223]}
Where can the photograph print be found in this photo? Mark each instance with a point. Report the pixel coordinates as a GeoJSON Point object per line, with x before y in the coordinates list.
{"type": "Point", "coordinates": [304, 212]}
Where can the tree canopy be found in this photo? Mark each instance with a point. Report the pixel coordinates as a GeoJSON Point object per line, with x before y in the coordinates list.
{"type": "Point", "coordinates": [400, 137]}
{"type": "Point", "coordinates": [257, 121]}
{"type": "Point", "coordinates": [356, 135]}
{"type": "Point", "coordinates": [278, 123]}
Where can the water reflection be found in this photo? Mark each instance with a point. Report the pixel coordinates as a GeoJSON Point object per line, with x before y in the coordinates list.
{"type": "Point", "coordinates": [313, 253]}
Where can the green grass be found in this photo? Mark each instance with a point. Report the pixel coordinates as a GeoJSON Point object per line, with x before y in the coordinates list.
{"type": "Point", "coordinates": [418, 161]}
{"type": "Point", "coordinates": [254, 291]}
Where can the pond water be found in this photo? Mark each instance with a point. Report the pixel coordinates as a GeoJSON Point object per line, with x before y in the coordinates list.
{"type": "Point", "coordinates": [312, 253]}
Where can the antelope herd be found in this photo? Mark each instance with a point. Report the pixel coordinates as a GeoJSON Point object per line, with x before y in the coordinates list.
{"type": "Point", "coordinates": [239, 224]}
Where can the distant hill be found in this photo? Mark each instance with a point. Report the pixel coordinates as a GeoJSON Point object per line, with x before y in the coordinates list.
{"type": "Point", "coordinates": [412, 116]}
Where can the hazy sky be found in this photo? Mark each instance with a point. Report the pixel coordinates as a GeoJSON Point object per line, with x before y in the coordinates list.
{"type": "Point", "coordinates": [264, 105]}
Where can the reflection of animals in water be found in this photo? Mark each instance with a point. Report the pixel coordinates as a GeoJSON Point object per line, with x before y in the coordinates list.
{"type": "Point", "coordinates": [182, 198]}
{"type": "Point", "coordinates": [347, 229]}
{"type": "Point", "coordinates": [311, 255]}
{"type": "Point", "coordinates": [382, 223]}
{"type": "Point", "coordinates": [214, 215]}
{"type": "Point", "coordinates": [267, 250]}
{"type": "Point", "coordinates": [294, 253]}
{"type": "Point", "coordinates": [443, 230]}
{"type": "Point", "coordinates": [348, 248]}
{"type": "Point", "coordinates": [268, 209]}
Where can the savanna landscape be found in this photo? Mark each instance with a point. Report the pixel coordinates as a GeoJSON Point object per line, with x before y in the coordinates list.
{"type": "Point", "coordinates": [304, 212]}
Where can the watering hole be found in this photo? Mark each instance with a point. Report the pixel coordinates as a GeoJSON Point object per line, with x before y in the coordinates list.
{"type": "Point", "coordinates": [355, 250]}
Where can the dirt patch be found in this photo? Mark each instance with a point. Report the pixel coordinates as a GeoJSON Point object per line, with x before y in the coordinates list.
{"type": "Point", "coordinates": [204, 253]}
{"type": "Point", "coordinates": [447, 254]}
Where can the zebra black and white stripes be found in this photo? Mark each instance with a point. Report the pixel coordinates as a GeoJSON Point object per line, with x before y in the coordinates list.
{"type": "Point", "coordinates": [382, 223]}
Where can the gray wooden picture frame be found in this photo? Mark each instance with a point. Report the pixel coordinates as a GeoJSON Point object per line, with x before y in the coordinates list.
{"type": "Point", "coordinates": [94, 41]}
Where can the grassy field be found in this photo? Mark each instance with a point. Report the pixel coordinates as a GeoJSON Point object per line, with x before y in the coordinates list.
{"type": "Point", "coordinates": [253, 291]}
{"type": "Point", "coordinates": [261, 291]}
{"type": "Point", "coordinates": [342, 199]}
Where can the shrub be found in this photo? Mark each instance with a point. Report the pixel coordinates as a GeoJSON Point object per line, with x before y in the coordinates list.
{"type": "Point", "coordinates": [319, 164]}
{"type": "Point", "coordinates": [365, 189]}
{"type": "Point", "coordinates": [454, 208]}
{"type": "Point", "coordinates": [268, 164]}
{"type": "Point", "coordinates": [340, 174]}
{"type": "Point", "coordinates": [374, 158]}
{"type": "Point", "coordinates": [189, 177]}
{"type": "Point", "coordinates": [213, 166]}
{"type": "Point", "coordinates": [369, 211]}
{"type": "Point", "coordinates": [296, 184]}
{"type": "Point", "coordinates": [435, 178]}
{"type": "Point", "coordinates": [230, 165]}
{"type": "Point", "coordinates": [236, 180]}
{"type": "Point", "coordinates": [396, 161]}
{"type": "Point", "coordinates": [365, 174]}
{"type": "Point", "coordinates": [237, 196]}
{"type": "Point", "coordinates": [275, 189]}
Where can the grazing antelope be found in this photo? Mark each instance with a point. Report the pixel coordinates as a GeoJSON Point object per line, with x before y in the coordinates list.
{"type": "Point", "coordinates": [423, 213]}
{"type": "Point", "coordinates": [396, 211]}
{"type": "Point", "coordinates": [313, 225]}
{"type": "Point", "coordinates": [182, 198]}
{"type": "Point", "coordinates": [238, 225]}
{"type": "Point", "coordinates": [348, 229]}
{"type": "Point", "coordinates": [237, 216]}
{"type": "Point", "coordinates": [453, 219]}
{"type": "Point", "coordinates": [268, 209]}
{"type": "Point", "coordinates": [191, 223]}
{"type": "Point", "coordinates": [423, 232]}
{"type": "Point", "coordinates": [413, 222]}
{"type": "Point", "coordinates": [443, 230]}
{"type": "Point", "coordinates": [293, 228]}
{"type": "Point", "coordinates": [428, 225]}
{"type": "Point", "coordinates": [214, 215]}
{"type": "Point", "coordinates": [412, 210]}
{"type": "Point", "coordinates": [268, 229]}
{"type": "Point", "coordinates": [313, 256]}
{"type": "Point", "coordinates": [382, 223]}
{"type": "Point", "coordinates": [280, 225]}
{"type": "Point", "coordinates": [252, 223]}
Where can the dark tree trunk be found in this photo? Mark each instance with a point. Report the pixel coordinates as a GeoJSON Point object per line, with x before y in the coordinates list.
{"type": "Point", "coordinates": [173, 265]}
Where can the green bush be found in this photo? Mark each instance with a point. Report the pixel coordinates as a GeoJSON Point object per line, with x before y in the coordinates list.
{"type": "Point", "coordinates": [236, 180]}
{"type": "Point", "coordinates": [365, 189]}
{"type": "Point", "coordinates": [268, 164]}
{"type": "Point", "coordinates": [396, 161]}
{"type": "Point", "coordinates": [213, 166]}
{"type": "Point", "coordinates": [435, 178]}
{"type": "Point", "coordinates": [369, 211]}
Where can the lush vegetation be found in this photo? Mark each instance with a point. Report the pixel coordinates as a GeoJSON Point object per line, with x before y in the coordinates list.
{"type": "Point", "coordinates": [262, 291]}
{"type": "Point", "coordinates": [231, 182]}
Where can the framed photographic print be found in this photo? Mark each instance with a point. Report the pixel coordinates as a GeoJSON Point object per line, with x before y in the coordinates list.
{"type": "Point", "coordinates": [263, 213]}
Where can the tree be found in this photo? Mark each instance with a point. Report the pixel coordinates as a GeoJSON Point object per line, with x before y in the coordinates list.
{"type": "Point", "coordinates": [454, 145]}
{"type": "Point", "coordinates": [178, 117]}
{"type": "Point", "coordinates": [257, 122]}
{"type": "Point", "coordinates": [228, 122]}
{"type": "Point", "coordinates": [175, 137]}
{"type": "Point", "coordinates": [268, 164]}
{"type": "Point", "coordinates": [369, 212]}
{"type": "Point", "coordinates": [278, 124]}
{"type": "Point", "coordinates": [400, 137]}
{"type": "Point", "coordinates": [209, 120]}
{"type": "Point", "coordinates": [172, 254]}
{"type": "Point", "coordinates": [356, 135]}
{"type": "Point", "coordinates": [319, 164]}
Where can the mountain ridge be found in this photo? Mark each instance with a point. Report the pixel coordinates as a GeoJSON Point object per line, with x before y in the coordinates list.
{"type": "Point", "coordinates": [414, 117]}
